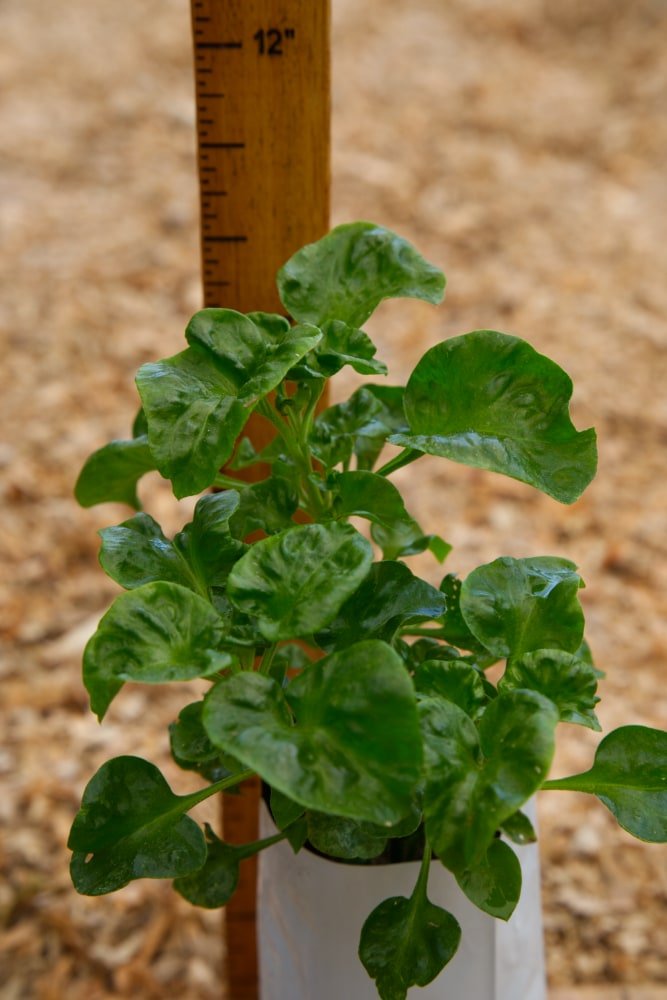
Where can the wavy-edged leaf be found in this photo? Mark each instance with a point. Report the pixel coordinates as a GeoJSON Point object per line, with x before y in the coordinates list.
{"type": "Point", "coordinates": [342, 345]}
{"type": "Point", "coordinates": [515, 606]}
{"type": "Point", "coordinates": [349, 839]}
{"type": "Point", "coordinates": [197, 402]}
{"type": "Point", "coordinates": [455, 680]}
{"type": "Point", "coordinates": [478, 777]}
{"type": "Point", "coordinates": [407, 942]}
{"type": "Point", "coordinates": [131, 825]}
{"type": "Point", "coordinates": [389, 598]}
{"type": "Point", "coordinates": [208, 543]}
{"type": "Point", "coordinates": [159, 632]}
{"type": "Point", "coordinates": [453, 626]}
{"type": "Point", "coordinates": [494, 885]}
{"type": "Point", "coordinates": [570, 683]}
{"type": "Point", "coordinates": [111, 474]}
{"type": "Point", "coordinates": [491, 401]}
{"type": "Point", "coordinates": [346, 274]}
{"type": "Point", "coordinates": [266, 506]}
{"type": "Point", "coordinates": [358, 426]}
{"type": "Point", "coordinates": [629, 776]}
{"type": "Point", "coordinates": [355, 749]}
{"type": "Point", "coordinates": [295, 582]}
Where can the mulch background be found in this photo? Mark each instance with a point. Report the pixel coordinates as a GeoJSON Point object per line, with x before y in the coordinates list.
{"type": "Point", "coordinates": [522, 145]}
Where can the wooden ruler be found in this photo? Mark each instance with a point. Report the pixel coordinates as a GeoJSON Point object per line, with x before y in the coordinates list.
{"type": "Point", "coordinates": [262, 77]}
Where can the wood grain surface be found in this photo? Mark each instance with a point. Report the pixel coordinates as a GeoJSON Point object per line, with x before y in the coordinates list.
{"type": "Point", "coordinates": [262, 78]}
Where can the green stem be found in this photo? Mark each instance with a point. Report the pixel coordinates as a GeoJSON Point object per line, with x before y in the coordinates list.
{"type": "Point", "coordinates": [228, 482]}
{"type": "Point", "coordinates": [403, 458]}
{"type": "Point", "coordinates": [431, 633]}
{"type": "Point", "coordinates": [219, 786]}
{"type": "Point", "coordinates": [422, 881]}
{"type": "Point", "coordinates": [267, 659]}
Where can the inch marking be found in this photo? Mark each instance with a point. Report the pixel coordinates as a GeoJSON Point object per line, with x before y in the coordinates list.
{"type": "Point", "coordinates": [218, 284]}
{"type": "Point", "coordinates": [207, 94]}
{"type": "Point", "coordinates": [223, 145]}
{"type": "Point", "coordinates": [225, 239]}
{"type": "Point", "coordinates": [218, 45]}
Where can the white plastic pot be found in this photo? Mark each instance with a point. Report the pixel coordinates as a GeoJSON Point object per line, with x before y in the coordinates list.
{"type": "Point", "coordinates": [311, 912]}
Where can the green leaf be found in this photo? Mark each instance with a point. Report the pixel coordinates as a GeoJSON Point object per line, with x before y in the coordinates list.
{"type": "Point", "coordinates": [515, 606]}
{"type": "Point", "coordinates": [346, 345]}
{"type": "Point", "coordinates": [136, 552]}
{"type": "Point", "coordinates": [455, 680]}
{"type": "Point", "coordinates": [570, 683]}
{"type": "Point", "coordinates": [214, 884]}
{"type": "Point", "coordinates": [156, 633]}
{"type": "Point", "coordinates": [390, 598]}
{"type": "Point", "coordinates": [491, 401]}
{"type": "Point", "coordinates": [476, 779]}
{"type": "Point", "coordinates": [358, 426]}
{"type": "Point", "coordinates": [134, 827]}
{"type": "Point", "coordinates": [630, 777]}
{"type": "Point", "coordinates": [207, 543]}
{"type": "Point", "coordinates": [296, 581]}
{"type": "Point", "coordinates": [519, 829]}
{"type": "Point", "coordinates": [355, 749]}
{"type": "Point", "coordinates": [452, 623]}
{"type": "Point", "coordinates": [349, 839]}
{"type": "Point", "coordinates": [347, 274]}
{"type": "Point", "coordinates": [284, 810]}
{"type": "Point", "coordinates": [197, 402]}
{"type": "Point", "coordinates": [189, 742]}
{"type": "Point", "coordinates": [407, 942]}
{"type": "Point", "coordinates": [392, 418]}
{"type": "Point", "coordinates": [111, 474]}
{"type": "Point", "coordinates": [267, 506]}
{"type": "Point", "coordinates": [494, 885]}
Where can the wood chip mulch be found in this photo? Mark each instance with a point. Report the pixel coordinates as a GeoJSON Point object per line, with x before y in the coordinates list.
{"type": "Point", "coordinates": [521, 144]}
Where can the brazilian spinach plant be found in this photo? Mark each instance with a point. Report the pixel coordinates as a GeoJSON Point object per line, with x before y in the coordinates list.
{"type": "Point", "coordinates": [354, 689]}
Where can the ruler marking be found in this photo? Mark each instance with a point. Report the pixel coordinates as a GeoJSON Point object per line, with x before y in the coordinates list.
{"type": "Point", "coordinates": [206, 94]}
{"type": "Point", "coordinates": [223, 145]}
{"type": "Point", "coordinates": [218, 45]}
{"type": "Point", "coordinates": [225, 239]}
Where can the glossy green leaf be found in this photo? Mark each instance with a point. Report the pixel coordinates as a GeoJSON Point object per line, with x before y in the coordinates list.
{"type": "Point", "coordinates": [346, 274]}
{"type": "Point", "coordinates": [570, 683]}
{"type": "Point", "coordinates": [197, 402]}
{"type": "Point", "coordinates": [629, 776]}
{"type": "Point", "coordinates": [358, 426]}
{"type": "Point", "coordinates": [452, 623]}
{"type": "Point", "coordinates": [267, 506]}
{"type": "Point", "coordinates": [518, 828]}
{"type": "Point", "coordinates": [477, 778]}
{"type": "Point", "coordinates": [407, 942]}
{"type": "Point", "coordinates": [159, 632]}
{"type": "Point", "coordinates": [189, 742]}
{"type": "Point", "coordinates": [295, 581]}
{"type": "Point", "coordinates": [136, 552]}
{"type": "Point", "coordinates": [494, 885]}
{"type": "Point", "coordinates": [515, 606]}
{"type": "Point", "coordinates": [214, 884]}
{"type": "Point", "coordinates": [390, 598]}
{"type": "Point", "coordinates": [346, 345]}
{"type": "Point", "coordinates": [349, 839]}
{"type": "Point", "coordinates": [134, 827]}
{"type": "Point", "coordinates": [111, 474]}
{"type": "Point", "coordinates": [391, 417]}
{"type": "Point", "coordinates": [491, 401]}
{"type": "Point", "coordinates": [455, 680]}
{"type": "Point", "coordinates": [284, 810]}
{"type": "Point", "coordinates": [355, 749]}
{"type": "Point", "coordinates": [207, 543]}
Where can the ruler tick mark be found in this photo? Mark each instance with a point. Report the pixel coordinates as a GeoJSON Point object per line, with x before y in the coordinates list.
{"type": "Point", "coordinates": [207, 94]}
{"type": "Point", "coordinates": [225, 239]}
{"type": "Point", "coordinates": [219, 45]}
{"type": "Point", "coordinates": [223, 145]}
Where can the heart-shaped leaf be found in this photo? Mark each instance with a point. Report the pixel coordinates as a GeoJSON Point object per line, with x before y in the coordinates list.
{"type": "Point", "coordinates": [207, 543]}
{"type": "Point", "coordinates": [494, 885]}
{"type": "Point", "coordinates": [491, 401]}
{"type": "Point", "coordinates": [475, 778]}
{"type": "Point", "coordinates": [407, 942]}
{"type": "Point", "coordinates": [347, 273]}
{"type": "Point", "coordinates": [134, 826]}
{"type": "Point", "coordinates": [630, 777]}
{"type": "Point", "coordinates": [111, 474]}
{"type": "Point", "coordinates": [515, 606]}
{"type": "Point", "coordinates": [197, 402]}
{"type": "Point", "coordinates": [570, 683]}
{"type": "Point", "coordinates": [159, 632]}
{"type": "Point", "coordinates": [295, 581]}
{"type": "Point", "coordinates": [355, 749]}
{"type": "Point", "coordinates": [389, 598]}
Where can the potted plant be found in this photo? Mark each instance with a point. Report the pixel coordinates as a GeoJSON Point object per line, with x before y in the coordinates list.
{"type": "Point", "coordinates": [356, 691]}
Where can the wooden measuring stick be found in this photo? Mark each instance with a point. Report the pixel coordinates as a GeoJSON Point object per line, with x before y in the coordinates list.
{"type": "Point", "coordinates": [262, 77]}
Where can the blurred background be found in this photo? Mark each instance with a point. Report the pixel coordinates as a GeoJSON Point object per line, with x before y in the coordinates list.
{"type": "Point", "coordinates": [521, 144]}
